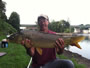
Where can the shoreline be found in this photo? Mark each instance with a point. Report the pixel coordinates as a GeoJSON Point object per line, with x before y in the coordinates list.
{"type": "Point", "coordinates": [77, 57]}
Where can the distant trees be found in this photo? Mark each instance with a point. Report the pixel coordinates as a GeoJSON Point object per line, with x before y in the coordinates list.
{"type": "Point", "coordinates": [6, 25]}
{"type": "Point", "coordinates": [82, 26]}
{"type": "Point", "coordinates": [2, 6]}
{"type": "Point", "coordinates": [3, 10]}
{"type": "Point", "coordinates": [14, 20]}
{"type": "Point", "coordinates": [60, 26]}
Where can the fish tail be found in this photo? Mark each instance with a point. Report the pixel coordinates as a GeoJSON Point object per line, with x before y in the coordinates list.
{"type": "Point", "coordinates": [75, 40]}
{"type": "Point", "coordinates": [77, 45]}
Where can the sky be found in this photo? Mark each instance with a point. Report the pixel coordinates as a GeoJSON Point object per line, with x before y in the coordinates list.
{"type": "Point", "coordinates": [75, 11]}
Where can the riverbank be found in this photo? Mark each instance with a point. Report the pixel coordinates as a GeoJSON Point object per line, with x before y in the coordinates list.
{"type": "Point", "coordinates": [78, 58]}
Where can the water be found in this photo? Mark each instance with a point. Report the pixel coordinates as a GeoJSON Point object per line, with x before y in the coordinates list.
{"type": "Point", "coordinates": [85, 45]}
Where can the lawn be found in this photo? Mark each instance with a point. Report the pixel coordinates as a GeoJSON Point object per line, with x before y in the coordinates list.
{"type": "Point", "coordinates": [73, 60]}
{"type": "Point", "coordinates": [16, 57]}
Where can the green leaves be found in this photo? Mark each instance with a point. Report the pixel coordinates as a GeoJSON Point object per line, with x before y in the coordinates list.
{"type": "Point", "coordinates": [60, 26]}
{"type": "Point", "coordinates": [14, 20]}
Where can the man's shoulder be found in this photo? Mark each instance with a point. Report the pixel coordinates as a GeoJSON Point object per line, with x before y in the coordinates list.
{"type": "Point", "coordinates": [51, 32]}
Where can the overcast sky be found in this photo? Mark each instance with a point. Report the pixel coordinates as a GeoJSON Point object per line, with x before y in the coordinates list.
{"type": "Point", "coordinates": [77, 11]}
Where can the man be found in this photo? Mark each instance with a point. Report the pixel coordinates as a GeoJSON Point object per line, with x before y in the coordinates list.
{"type": "Point", "coordinates": [48, 58]}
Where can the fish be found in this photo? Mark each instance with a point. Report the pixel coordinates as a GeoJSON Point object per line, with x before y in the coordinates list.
{"type": "Point", "coordinates": [40, 39]}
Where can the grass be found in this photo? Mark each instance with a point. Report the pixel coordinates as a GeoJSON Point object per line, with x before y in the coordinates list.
{"type": "Point", "coordinates": [16, 57]}
{"type": "Point", "coordinates": [78, 65]}
{"type": "Point", "coordinates": [73, 60]}
{"type": "Point", "coordinates": [2, 37]}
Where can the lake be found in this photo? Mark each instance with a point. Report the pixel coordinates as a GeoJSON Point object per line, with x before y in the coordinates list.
{"type": "Point", "coordinates": [85, 45]}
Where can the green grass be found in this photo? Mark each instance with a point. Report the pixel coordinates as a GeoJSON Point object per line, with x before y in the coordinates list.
{"type": "Point", "coordinates": [78, 65]}
{"type": "Point", "coordinates": [16, 57]}
{"type": "Point", "coordinates": [2, 37]}
{"type": "Point", "coordinates": [73, 60]}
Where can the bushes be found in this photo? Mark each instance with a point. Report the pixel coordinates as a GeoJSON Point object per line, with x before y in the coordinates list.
{"type": "Point", "coordinates": [6, 28]}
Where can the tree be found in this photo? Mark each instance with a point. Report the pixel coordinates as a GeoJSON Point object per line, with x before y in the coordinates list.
{"type": "Point", "coordinates": [64, 26]}
{"type": "Point", "coordinates": [60, 26]}
{"type": "Point", "coordinates": [3, 10]}
{"type": "Point", "coordinates": [52, 26]}
{"type": "Point", "coordinates": [14, 20]}
{"type": "Point", "coordinates": [2, 6]}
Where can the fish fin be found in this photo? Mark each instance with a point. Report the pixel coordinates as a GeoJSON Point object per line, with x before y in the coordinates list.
{"type": "Point", "coordinates": [75, 40]}
{"type": "Point", "coordinates": [39, 50]}
{"type": "Point", "coordinates": [77, 45]}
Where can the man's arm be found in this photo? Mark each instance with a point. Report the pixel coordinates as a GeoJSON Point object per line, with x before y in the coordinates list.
{"type": "Point", "coordinates": [31, 50]}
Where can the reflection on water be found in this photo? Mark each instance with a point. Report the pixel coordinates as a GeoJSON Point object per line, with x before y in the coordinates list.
{"type": "Point", "coordinates": [85, 44]}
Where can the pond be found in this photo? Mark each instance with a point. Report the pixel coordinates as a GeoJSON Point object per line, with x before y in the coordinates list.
{"type": "Point", "coordinates": [85, 45]}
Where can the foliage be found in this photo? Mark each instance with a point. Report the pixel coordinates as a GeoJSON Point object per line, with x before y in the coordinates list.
{"type": "Point", "coordinates": [71, 29]}
{"type": "Point", "coordinates": [4, 17]}
{"type": "Point", "coordinates": [2, 10]}
{"type": "Point", "coordinates": [84, 26]}
{"type": "Point", "coordinates": [14, 20]}
{"type": "Point", "coordinates": [2, 6]}
{"type": "Point", "coordinates": [6, 28]}
{"type": "Point", "coordinates": [53, 25]}
{"type": "Point", "coordinates": [81, 26]}
{"type": "Point", "coordinates": [60, 26]}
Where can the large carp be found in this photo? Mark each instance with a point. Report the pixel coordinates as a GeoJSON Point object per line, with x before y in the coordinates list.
{"type": "Point", "coordinates": [44, 40]}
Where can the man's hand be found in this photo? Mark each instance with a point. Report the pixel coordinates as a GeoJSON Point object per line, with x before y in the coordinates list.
{"type": "Point", "coordinates": [28, 46]}
{"type": "Point", "coordinates": [27, 43]}
{"type": "Point", "coordinates": [59, 44]}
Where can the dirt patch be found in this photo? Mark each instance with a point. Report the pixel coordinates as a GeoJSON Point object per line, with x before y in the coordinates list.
{"type": "Point", "coordinates": [79, 58]}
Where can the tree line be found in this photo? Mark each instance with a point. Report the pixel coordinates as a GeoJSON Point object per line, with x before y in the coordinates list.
{"type": "Point", "coordinates": [61, 26]}
{"type": "Point", "coordinates": [13, 20]}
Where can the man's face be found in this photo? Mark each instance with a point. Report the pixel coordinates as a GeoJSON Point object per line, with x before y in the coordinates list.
{"type": "Point", "coordinates": [43, 23]}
